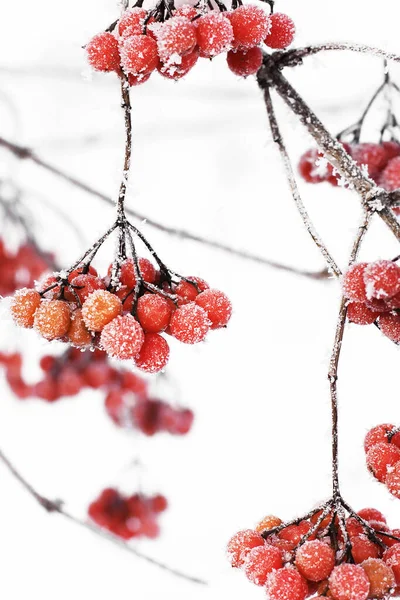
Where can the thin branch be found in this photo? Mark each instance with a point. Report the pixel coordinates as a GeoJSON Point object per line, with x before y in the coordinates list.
{"type": "Point", "coordinates": [57, 507]}
{"type": "Point", "coordinates": [360, 48]}
{"type": "Point", "coordinates": [126, 105]}
{"type": "Point", "coordinates": [277, 137]}
{"type": "Point", "coordinates": [26, 153]}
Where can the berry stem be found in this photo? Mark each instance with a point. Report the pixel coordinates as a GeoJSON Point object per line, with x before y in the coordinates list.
{"type": "Point", "coordinates": [127, 107]}
{"type": "Point", "coordinates": [58, 507]}
{"type": "Point", "coordinates": [278, 139]}
{"type": "Point", "coordinates": [25, 153]}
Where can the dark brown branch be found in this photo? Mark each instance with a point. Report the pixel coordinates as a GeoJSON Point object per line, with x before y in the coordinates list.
{"type": "Point", "coordinates": [58, 507]}
{"type": "Point", "coordinates": [26, 153]}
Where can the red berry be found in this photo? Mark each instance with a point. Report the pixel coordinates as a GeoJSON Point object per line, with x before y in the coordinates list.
{"type": "Point", "coordinates": [240, 544]}
{"type": "Point", "coordinates": [189, 324]}
{"type": "Point", "coordinates": [176, 36]}
{"type": "Point", "coordinates": [23, 307]}
{"type": "Point", "coordinates": [46, 390]}
{"type": "Point", "coordinates": [217, 306]}
{"type": "Point", "coordinates": [159, 503]}
{"type": "Point", "coordinates": [154, 312]}
{"type": "Point", "coordinates": [122, 337]}
{"type": "Point", "coordinates": [180, 68]}
{"type": "Point", "coordinates": [380, 576]}
{"type": "Point", "coordinates": [393, 480]}
{"type": "Point", "coordinates": [286, 584]}
{"type": "Point", "coordinates": [134, 80]}
{"type": "Point", "coordinates": [139, 54]}
{"type": "Point", "coordinates": [392, 559]}
{"type": "Point", "coordinates": [392, 149]}
{"type": "Point", "coordinates": [187, 292]}
{"type": "Point", "coordinates": [250, 25]}
{"type": "Point", "coordinates": [84, 285]}
{"type": "Point", "coordinates": [133, 20]}
{"type": "Point", "coordinates": [353, 283]}
{"type": "Point", "coordinates": [373, 156]}
{"type": "Point", "coordinates": [389, 324]}
{"type": "Point", "coordinates": [244, 62]}
{"type": "Point", "coordinates": [102, 52]}
{"type": "Point", "coordinates": [372, 514]}
{"type": "Point", "coordinates": [378, 434]}
{"type": "Point", "coordinates": [52, 319]}
{"type": "Point", "coordinates": [154, 354]}
{"type": "Point", "coordinates": [100, 308]}
{"type": "Point", "coordinates": [146, 269]}
{"type": "Point", "coordinates": [382, 279]}
{"type": "Point", "coordinates": [315, 560]}
{"type": "Point", "coordinates": [281, 33]}
{"type": "Point", "coordinates": [390, 178]}
{"type": "Point", "coordinates": [353, 527]}
{"type": "Point", "coordinates": [363, 548]}
{"type": "Point", "coordinates": [214, 34]}
{"type": "Point", "coordinates": [380, 458]}
{"type": "Point", "coordinates": [360, 314]}
{"type": "Point", "coordinates": [186, 10]}
{"type": "Point", "coordinates": [261, 561]}
{"type": "Point", "coordinates": [348, 582]}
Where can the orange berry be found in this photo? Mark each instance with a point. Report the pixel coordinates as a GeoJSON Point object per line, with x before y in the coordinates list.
{"type": "Point", "coordinates": [78, 333]}
{"type": "Point", "coordinates": [24, 306]}
{"type": "Point", "coordinates": [52, 319]}
{"type": "Point", "coordinates": [381, 578]}
{"type": "Point", "coordinates": [122, 337]}
{"type": "Point", "coordinates": [267, 523]}
{"type": "Point", "coordinates": [100, 308]}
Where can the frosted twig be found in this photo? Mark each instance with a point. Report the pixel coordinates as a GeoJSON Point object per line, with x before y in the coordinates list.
{"type": "Point", "coordinates": [277, 137]}
{"type": "Point", "coordinates": [360, 48]}
{"type": "Point", "coordinates": [58, 507]}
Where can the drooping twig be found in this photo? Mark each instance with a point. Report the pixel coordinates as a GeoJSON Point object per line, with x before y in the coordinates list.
{"type": "Point", "coordinates": [359, 48]}
{"type": "Point", "coordinates": [277, 137]}
{"type": "Point", "coordinates": [26, 153]}
{"type": "Point", "coordinates": [58, 507]}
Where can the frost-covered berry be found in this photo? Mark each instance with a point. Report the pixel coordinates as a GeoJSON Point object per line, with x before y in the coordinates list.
{"type": "Point", "coordinates": [214, 34]}
{"type": "Point", "coordinates": [146, 269]}
{"type": "Point", "coordinates": [189, 324]}
{"type": "Point", "coordinates": [240, 545]}
{"type": "Point", "coordinates": [261, 561]}
{"type": "Point", "coordinates": [250, 25]}
{"type": "Point", "coordinates": [134, 80]}
{"type": "Point", "coordinates": [23, 307]}
{"type": "Point", "coordinates": [84, 285]}
{"type": "Point", "coordinates": [382, 279]}
{"type": "Point", "coordinates": [392, 559]}
{"type": "Point", "coordinates": [389, 324]}
{"type": "Point", "coordinates": [372, 514]}
{"type": "Point", "coordinates": [281, 33]}
{"type": "Point", "coordinates": [267, 523]}
{"type": "Point", "coordinates": [180, 68]}
{"type": "Point", "coordinates": [217, 306]}
{"type": "Point", "coordinates": [139, 54]}
{"type": "Point", "coordinates": [348, 582]}
{"type": "Point", "coordinates": [52, 319]}
{"type": "Point", "coordinates": [100, 308]}
{"type": "Point", "coordinates": [353, 283]}
{"type": "Point", "coordinates": [360, 314]}
{"type": "Point", "coordinates": [122, 338]}
{"type": "Point", "coordinates": [362, 548]}
{"type": "Point", "coordinates": [103, 53]}
{"type": "Point", "coordinates": [390, 177]}
{"type": "Point", "coordinates": [154, 354]}
{"type": "Point", "coordinates": [373, 156]}
{"type": "Point", "coordinates": [186, 10]}
{"type": "Point", "coordinates": [315, 560]}
{"type": "Point", "coordinates": [175, 37]}
{"type": "Point", "coordinates": [286, 584]}
{"type": "Point", "coordinates": [380, 576]}
{"type": "Point", "coordinates": [376, 435]}
{"type": "Point", "coordinates": [244, 62]}
{"type": "Point", "coordinates": [133, 21]}
{"type": "Point", "coordinates": [392, 480]}
{"type": "Point", "coordinates": [314, 168]}
{"type": "Point", "coordinates": [78, 334]}
{"type": "Point", "coordinates": [381, 458]}
{"type": "Point", "coordinates": [187, 292]}
{"type": "Point", "coordinates": [154, 312]}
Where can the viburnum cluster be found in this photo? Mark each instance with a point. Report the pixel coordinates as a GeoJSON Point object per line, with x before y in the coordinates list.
{"type": "Point", "coordinates": [373, 291]}
{"type": "Point", "coordinates": [171, 41]}
{"type": "Point", "coordinates": [128, 399]}
{"type": "Point", "coordinates": [125, 318]}
{"type": "Point", "coordinates": [21, 268]}
{"type": "Point", "coordinates": [382, 162]}
{"type": "Point", "coordinates": [128, 516]}
{"type": "Point", "coordinates": [382, 448]}
{"type": "Point", "coordinates": [318, 557]}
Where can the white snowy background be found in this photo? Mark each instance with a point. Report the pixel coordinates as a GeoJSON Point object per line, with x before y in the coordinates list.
{"type": "Point", "coordinates": [203, 159]}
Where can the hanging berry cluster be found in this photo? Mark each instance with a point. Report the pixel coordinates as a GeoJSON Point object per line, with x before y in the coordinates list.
{"type": "Point", "coordinates": [382, 448]}
{"type": "Point", "coordinates": [324, 555]}
{"type": "Point", "coordinates": [21, 268]}
{"type": "Point", "coordinates": [128, 516]}
{"type": "Point", "coordinates": [373, 290]}
{"type": "Point", "coordinates": [171, 41]}
{"type": "Point", "coordinates": [381, 161]}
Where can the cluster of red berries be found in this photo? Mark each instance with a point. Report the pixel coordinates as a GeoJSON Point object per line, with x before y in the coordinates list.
{"type": "Point", "coordinates": [127, 400]}
{"type": "Point", "coordinates": [382, 448]}
{"type": "Point", "coordinates": [148, 415]}
{"type": "Point", "coordinates": [140, 44]}
{"type": "Point", "coordinates": [373, 290]}
{"type": "Point", "coordinates": [128, 516]}
{"type": "Point", "coordinates": [299, 561]}
{"type": "Point", "coordinates": [87, 310]}
{"type": "Point", "coordinates": [381, 160]}
{"type": "Point", "coordinates": [21, 268]}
